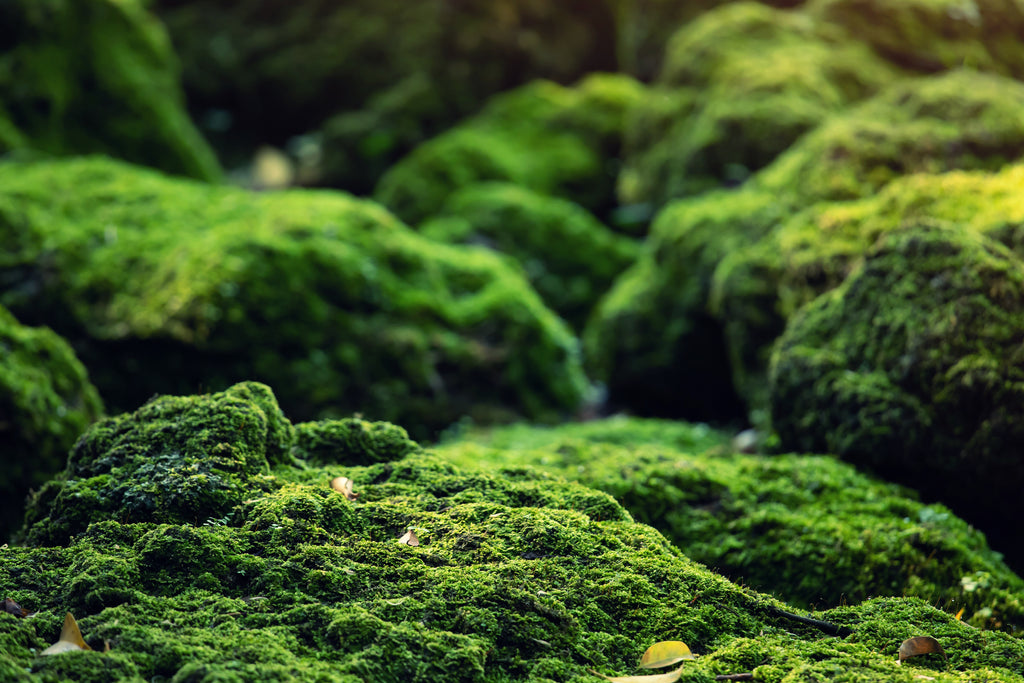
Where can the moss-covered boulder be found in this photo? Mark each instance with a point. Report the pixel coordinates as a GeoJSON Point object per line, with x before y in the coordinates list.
{"type": "Point", "coordinates": [701, 306]}
{"type": "Point", "coordinates": [46, 402]}
{"type": "Point", "coordinates": [739, 86]}
{"type": "Point", "coordinates": [913, 368]}
{"type": "Point", "coordinates": [164, 286]}
{"type": "Point", "coordinates": [555, 140]}
{"type": "Point", "coordinates": [511, 576]}
{"type": "Point", "coordinates": [811, 530]}
{"type": "Point", "coordinates": [568, 256]}
{"type": "Point", "coordinates": [95, 76]}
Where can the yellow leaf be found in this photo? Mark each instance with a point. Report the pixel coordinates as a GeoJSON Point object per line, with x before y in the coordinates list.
{"type": "Point", "coordinates": [920, 645]}
{"type": "Point", "coordinates": [409, 538]}
{"type": "Point", "coordinates": [670, 677]}
{"type": "Point", "coordinates": [960, 614]}
{"type": "Point", "coordinates": [665, 653]}
{"type": "Point", "coordinates": [70, 638]}
{"type": "Point", "coordinates": [344, 485]}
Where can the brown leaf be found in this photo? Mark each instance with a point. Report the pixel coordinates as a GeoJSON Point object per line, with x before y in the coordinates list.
{"type": "Point", "coordinates": [920, 645]}
{"type": "Point", "coordinates": [409, 538]}
{"type": "Point", "coordinates": [70, 638]}
{"type": "Point", "coordinates": [344, 485]}
{"type": "Point", "coordinates": [665, 653]}
{"type": "Point", "coordinates": [14, 608]}
{"type": "Point", "coordinates": [670, 677]}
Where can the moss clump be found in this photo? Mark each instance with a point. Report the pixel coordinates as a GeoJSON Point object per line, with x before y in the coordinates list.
{"type": "Point", "coordinates": [91, 76]}
{"type": "Point", "coordinates": [329, 297]}
{"type": "Point", "coordinates": [808, 529]}
{"type": "Point", "coordinates": [912, 367]}
{"type": "Point", "coordinates": [567, 255]}
{"type": "Point", "coordinates": [46, 401]}
{"type": "Point", "coordinates": [548, 138]}
{"type": "Point", "coordinates": [352, 441]}
{"type": "Point", "coordinates": [517, 576]}
{"type": "Point", "coordinates": [739, 86]}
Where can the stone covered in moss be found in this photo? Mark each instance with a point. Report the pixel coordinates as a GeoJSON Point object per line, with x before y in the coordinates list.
{"type": "Point", "coordinates": [555, 140]}
{"type": "Point", "coordinates": [662, 326]}
{"type": "Point", "coordinates": [808, 529]}
{"type": "Point", "coordinates": [739, 86]}
{"type": "Point", "coordinates": [92, 76]}
{"type": "Point", "coordinates": [46, 402]}
{"type": "Point", "coordinates": [516, 576]}
{"type": "Point", "coordinates": [913, 368]}
{"type": "Point", "coordinates": [166, 285]}
{"type": "Point", "coordinates": [568, 256]}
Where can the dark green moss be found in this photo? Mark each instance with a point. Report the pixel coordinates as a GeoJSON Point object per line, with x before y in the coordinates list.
{"type": "Point", "coordinates": [95, 76]}
{"type": "Point", "coordinates": [46, 402]}
{"type": "Point", "coordinates": [351, 442]}
{"type": "Point", "coordinates": [912, 367]}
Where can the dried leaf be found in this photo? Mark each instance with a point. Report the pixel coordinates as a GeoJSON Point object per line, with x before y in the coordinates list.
{"type": "Point", "coordinates": [14, 608]}
{"type": "Point", "coordinates": [409, 538]}
{"type": "Point", "coordinates": [960, 614]}
{"type": "Point", "coordinates": [920, 645]}
{"type": "Point", "coordinates": [344, 485]}
{"type": "Point", "coordinates": [665, 653]}
{"type": "Point", "coordinates": [670, 677]}
{"type": "Point", "coordinates": [70, 638]}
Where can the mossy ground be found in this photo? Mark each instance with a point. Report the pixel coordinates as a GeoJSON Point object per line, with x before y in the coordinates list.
{"type": "Point", "coordinates": [518, 576]}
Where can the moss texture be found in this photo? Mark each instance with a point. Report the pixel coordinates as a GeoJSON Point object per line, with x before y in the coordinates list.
{"type": "Point", "coordinates": [46, 402]}
{"type": "Point", "coordinates": [555, 140]}
{"type": "Point", "coordinates": [165, 286]}
{"type": "Point", "coordinates": [568, 256]}
{"type": "Point", "coordinates": [809, 529]}
{"type": "Point", "coordinates": [913, 368]}
{"type": "Point", "coordinates": [516, 577]}
{"type": "Point", "coordinates": [95, 76]}
{"type": "Point", "coordinates": [663, 325]}
{"type": "Point", "coordinates": [739, 86]}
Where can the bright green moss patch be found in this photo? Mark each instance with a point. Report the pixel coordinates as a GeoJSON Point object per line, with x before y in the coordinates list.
{"type": "Point", "coordinates": [568, 256]}
{"type": "Point", "coordinates": [46, 401]}
{"type": "Point", "coordinates": [165, 285]}
{"type": "Point", "coordinates": [517, 576]}
{"type": "Point", "coordinates": [95, 76]}
{"type": "Point", "coordinates": [912, 367]}
{"type": "Point", "coordinates": [809, 529]}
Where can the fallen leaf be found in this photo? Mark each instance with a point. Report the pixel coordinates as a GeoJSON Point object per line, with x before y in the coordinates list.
{"type": "Point", "coordinates": [344, 485]}
{"type": "Point", "coordinates": [409, 538]}
{"type": "Point", "coordinates": [670, 677]}
{"type": "Point", "coordinates": [920, 645]}
{"type": "Point", "coordinates": [665, 653]}
{"type": "Point", "coordinates": [70, 638]}
{"type": "Point", "coordinates": [14, 608]}
{"type": "Point", "coordinates": [960, 614]}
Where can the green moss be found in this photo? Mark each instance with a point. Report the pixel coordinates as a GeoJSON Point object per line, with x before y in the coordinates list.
{"type": "Point", "coordinates": [567, 255]}
{"type": "Point", "coordinates": [352, 441]}
{"type": "Point", "coordinates": [46, 401]}
{"type": "Point", "coordinates": [96, 76]}
{"type": "Point", "coordinates": [809, 529]}
{"type": "Point", "coordinates": [912, 368]}
{"type": "Point", "coordinates": [548, 138]}
{"type": "Point", "coordinates": [327, 296]}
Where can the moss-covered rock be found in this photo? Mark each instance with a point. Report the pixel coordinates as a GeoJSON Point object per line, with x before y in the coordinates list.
{"type": "Point", "coordinates": [95, 76]}
{"type": "Point", "coordinates": [552, 139]}
{"type": "Point", "coordinates": [809, 529]}
{"type": "Point", "coordinates": [739, 86]}
{"type": "Point", "coordinates": [913, 368]}
{"type": "Point", "coordinates": [165, 286]}
{"type": "Point", "coordinates": [568, 256]}
{"type": "Point", "coordinates": [517, 576]}
{"type": "Point", "coordinates": [46, 402]}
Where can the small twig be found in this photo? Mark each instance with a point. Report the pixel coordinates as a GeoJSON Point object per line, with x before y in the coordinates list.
{"type": "Point", "coordinates": [825, 626]}
{"type": "Point", "coordinates": [735, 677]}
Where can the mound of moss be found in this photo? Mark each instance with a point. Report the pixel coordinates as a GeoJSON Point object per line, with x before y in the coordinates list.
{"type": "Point", "coordinates": [166, 286]}
{"type": "Point", "coordinates": [555, 140]}
{"type": "Point", "coordinates": [739, 86]}
{"type": "Point", "coordinates": [913, 368]}
{"type": "Point", "coordinates": [662, 318]}
{"type": "Point", "coordinates": [511, 576]}
{"type": "Point", "coordinates": [46, 402]}
{"type": "Point", "coordinates": [568, 256]}
{"type": "Point", "coordinates": [95, 76]}
{"type": "Point", "coordinates": [809, 529]}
